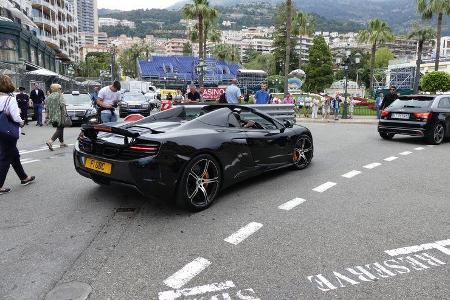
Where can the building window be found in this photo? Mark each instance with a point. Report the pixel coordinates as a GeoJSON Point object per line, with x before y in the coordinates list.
{"type": "Point", "coordinates": [33, 56]}
{"type": "Point", "coordinates": [8, 50]}
{"type": "Point", "coordinates": [24, 52]}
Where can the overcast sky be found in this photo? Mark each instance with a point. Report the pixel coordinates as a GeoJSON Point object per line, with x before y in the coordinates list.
{"type": "Point", "coordinates": [135, 4]}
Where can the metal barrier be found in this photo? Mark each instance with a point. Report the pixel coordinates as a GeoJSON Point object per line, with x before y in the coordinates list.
{"type": "Point", "coordinates": [280, 112]}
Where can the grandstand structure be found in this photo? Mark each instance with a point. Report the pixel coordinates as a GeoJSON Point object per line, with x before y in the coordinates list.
{"type": "Point", "coordinates": [179, 71]}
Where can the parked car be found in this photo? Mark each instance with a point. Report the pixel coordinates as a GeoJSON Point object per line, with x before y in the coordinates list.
{"type": "Point", "coordinates": [134, 103]}
{"type": "Point", "coordinates": [189, 154]}
{"type": "Point", "coordinates": [425, 116]}
{"type": "Point", "coordinates": [80, 108]}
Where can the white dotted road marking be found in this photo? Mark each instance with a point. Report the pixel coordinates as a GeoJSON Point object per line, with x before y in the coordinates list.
{"type": "Point", "coordinates": [391, 158]}
{"type": "Point", "coordinates": [323, 187]}
{"type": "Point", "coordinates": [291, 204]}
{"type": "Point", "coordinates": [185, 274]}
{"type": "Point", "coordinates": [243, 233]}
{"type": "Point", "coordinates": [372, 166]}
{"type": "Point", "coordinates": [419, 148]}
{"type": "Point", "coordinates": [405, 153]}
{"type": "Point", "coordinates": [198, 290]}
{"type": "Point", "coordinates": [351, 174]}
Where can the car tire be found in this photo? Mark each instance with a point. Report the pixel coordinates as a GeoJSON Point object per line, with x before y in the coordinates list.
{"type": "Point", "coordinates": [387, 136]}
{"type": "Point", "coordinates": [436, 135]}
{"type": "Point", "coordinates": [303, 152]}
{"type": "Point", "coordinates": [200, 183]}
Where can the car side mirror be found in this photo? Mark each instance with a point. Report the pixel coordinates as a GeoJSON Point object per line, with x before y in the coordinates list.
{"type": "Point", "coordinates": [288, 124]}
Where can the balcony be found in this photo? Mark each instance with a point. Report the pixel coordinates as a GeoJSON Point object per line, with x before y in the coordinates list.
{"type": "Point", "coordinates": [46, 6]}
{"type": "Point", "coordinates": [51, 41]}
{"type": "Point", "coordinates": [46, 22]}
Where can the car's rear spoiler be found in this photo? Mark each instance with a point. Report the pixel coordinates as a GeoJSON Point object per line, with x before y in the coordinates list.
{"type": "Point", "coordinates": [94, 129]}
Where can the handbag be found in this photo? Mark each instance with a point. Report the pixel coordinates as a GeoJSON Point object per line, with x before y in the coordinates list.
{"type": "Point", "coordinates": [8, 129]}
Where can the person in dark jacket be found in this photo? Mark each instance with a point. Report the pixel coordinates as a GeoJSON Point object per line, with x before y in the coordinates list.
{"type": "Point", "coordinates": [38, 97]}
{"type": "Point", "coordinates": [23, 101]}
{"type": "Point", "coordinates": [389, 98]}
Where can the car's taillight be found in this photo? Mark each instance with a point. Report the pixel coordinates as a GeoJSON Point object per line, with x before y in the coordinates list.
{"type": "Point", "coordinates": [144, 148]}
{"type": "Point", "coordinates": [384, 113]}
{"type": "Point", "coordinates": [422, 115]}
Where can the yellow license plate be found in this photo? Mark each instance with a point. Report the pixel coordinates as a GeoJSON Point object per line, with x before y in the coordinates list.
{"type": "Point", "coordinates": [97, 165]}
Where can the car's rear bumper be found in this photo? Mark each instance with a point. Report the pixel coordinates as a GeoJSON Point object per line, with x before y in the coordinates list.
{"type": "Point", "coordinates": [420, 129]}
{"type": "Point", "coordinates": [147, 175]}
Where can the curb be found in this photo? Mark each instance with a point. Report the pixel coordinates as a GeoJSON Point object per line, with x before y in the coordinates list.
{"type": "Point", "coordinates": [340, 121]}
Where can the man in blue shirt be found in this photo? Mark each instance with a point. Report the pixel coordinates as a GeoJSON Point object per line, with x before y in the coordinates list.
{"type": "Point", "coordinates": [233, 93]}
{"type": "Point", "coordinates": [262, 96]}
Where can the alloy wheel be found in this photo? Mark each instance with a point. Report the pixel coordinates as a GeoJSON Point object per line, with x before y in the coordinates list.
{"type": "Point", "coordinates": [203, 182]}
{"type": "Point", "coordinates": [303, 152]}
{"type": "Point", "coordinates": [438, 134]}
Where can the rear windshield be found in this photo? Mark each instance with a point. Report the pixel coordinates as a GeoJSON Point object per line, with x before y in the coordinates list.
{"type": "Point", "coordinates": [418, 102]}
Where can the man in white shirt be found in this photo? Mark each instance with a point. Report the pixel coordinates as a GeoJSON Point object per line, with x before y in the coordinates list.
{"type": "Point", "coordinates": [107, 100]}
{"type": "Point", "coordinates": [233, 93]}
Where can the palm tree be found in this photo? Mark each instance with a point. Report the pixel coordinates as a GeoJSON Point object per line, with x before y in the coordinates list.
{"type": "Point", "coordinates": [198, 10]}
{"type": "Point", "coordinates": [210, 28]}
{"type": "Point", "coordinates": [288, 44]}
{"type": "Point", "coordinates": [430, 8]}
{"type": "Point", "coordinates": [226, 52]}
{"type": "Point", "coordinates": [422, 35]}
{"type": "Point", "coordinates": [303, 25]}
{"type": "Point", "coordinates": [377, 32]}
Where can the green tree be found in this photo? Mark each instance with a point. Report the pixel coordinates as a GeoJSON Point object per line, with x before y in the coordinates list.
{"type": "Point", "coordinates": [128, 59]}
{"type": "Point", "coordinates": [280, 42]}
{"type": "Point", "coordinates": [276, 82]}
{"type": "Point", "coordinates": [430, 8]}
{"type": "Point", "coordinates": [187, 49]}
{"type": "Point", "coordinates": [303, 26]}
{"type": "Point", "coordinates": [382, 57]}
{"type": "Point", "coordinates": [262, 61]}
{"type": "Point", "coordinates": [422, 35]}
{"type": "Point", "coordinates": [377, 32]}
{"type": "Point", "coordinates": [199, 10]}
{"type": "Point", "coordinates": [435, 82]}
{"type": "Point", "coordinates": [226, 52]}
{"type": "Point", "coordinates": [319, 70]}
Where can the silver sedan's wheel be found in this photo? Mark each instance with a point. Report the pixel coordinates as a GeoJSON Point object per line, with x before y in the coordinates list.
{"type": "Point", "coordinates": [200, 183]}
{"type": "Point", "coordinates": [303, 152]}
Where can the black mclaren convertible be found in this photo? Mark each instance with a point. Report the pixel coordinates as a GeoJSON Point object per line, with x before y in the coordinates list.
{"type": "Point", "coordinates": [189, 153]}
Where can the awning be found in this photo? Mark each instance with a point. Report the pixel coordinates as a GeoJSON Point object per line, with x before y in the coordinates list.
{"type": "Point", "coordinates": [44, 72]}
{"type": "Point", "coordinates": [18, 13]}
{"type": "Point", "coordinates": [91, 83]}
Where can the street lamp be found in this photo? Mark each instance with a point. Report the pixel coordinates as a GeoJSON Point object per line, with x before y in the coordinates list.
{"type": "Point", "coordinates": [200, 68]}
{"type": "Point", "coordinates": [346, 63]}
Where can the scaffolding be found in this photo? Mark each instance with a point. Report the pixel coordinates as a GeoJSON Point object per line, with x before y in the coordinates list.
{"type": "Point", "coordinates": [402, 77]}
{"type": "Point", "coordinates": [251, 79]}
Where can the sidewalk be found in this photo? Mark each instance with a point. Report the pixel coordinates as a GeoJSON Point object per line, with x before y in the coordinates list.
{"type": "Point", "coordinates": [355, 120]}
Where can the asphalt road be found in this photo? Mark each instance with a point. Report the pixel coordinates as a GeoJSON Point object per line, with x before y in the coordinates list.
{"type": "Point", "coordinates": [64, 235]}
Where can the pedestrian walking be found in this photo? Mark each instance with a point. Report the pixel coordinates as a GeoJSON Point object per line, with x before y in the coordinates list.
{"type": "Point", "coordinates": [306, 106]}
{"type": "Point", "coordinates": [10, 118]}
{"type": "Point", "coordinates": [23, 101]}
{"type": "Point", "coordinates": [336, 106]}
{"type": "Point", "coordinates": [108, 99]}
{"type": "Point", "coordinates": [262, 96]}
{"type": "Point", "coordinates": [38, 97]}
{"type": "Point", "coordinates": [389, 98]}
{"type": "Point", "coordinates": [233, 93]}
{"type": "Point", "coordinates": [193, 97]}
{"type": "Point", "coordinates": [315, 108]}
{"type": "Point", "coordinates": [378, 104]}
{"type": "Point", "coordinates": [57, 115]}
{"type": "Point", "coordinates": [326, 107]}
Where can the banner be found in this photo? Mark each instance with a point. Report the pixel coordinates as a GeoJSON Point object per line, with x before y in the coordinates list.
{"type": "Point", "coordinates": [212, 93]}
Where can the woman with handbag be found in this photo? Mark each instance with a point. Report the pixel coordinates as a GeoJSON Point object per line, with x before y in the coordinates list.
{"type": "Point", "coordinates": [10, 123]}
{"type": "Point", "coordinates": [57, 115]}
